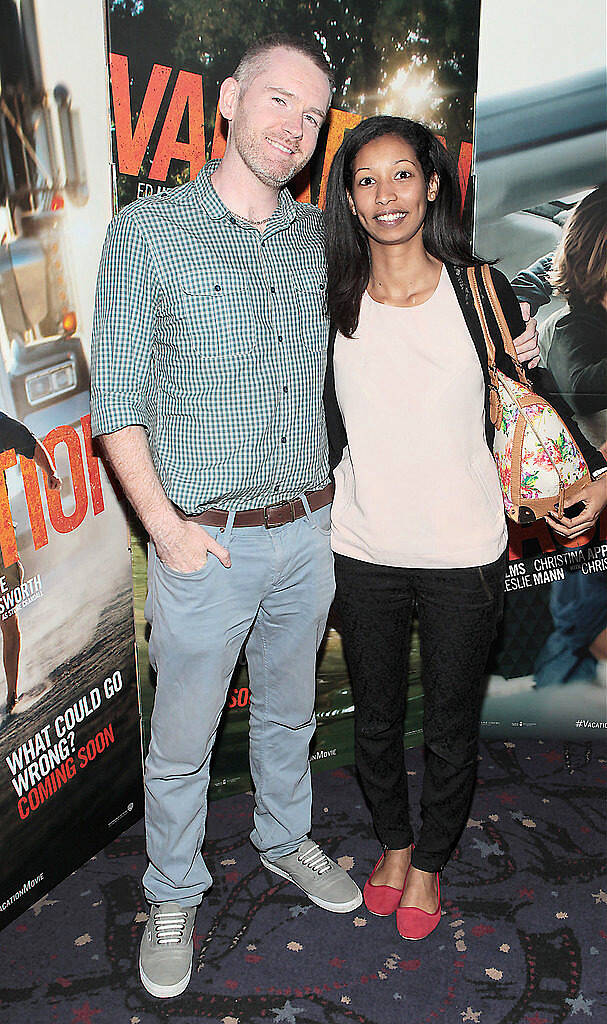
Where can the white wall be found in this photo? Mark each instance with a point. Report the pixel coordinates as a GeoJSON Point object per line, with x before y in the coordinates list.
{"type": "Point", "coordinates": [72, 52]}
{"type": "Point", "coordinates": [524, 43]}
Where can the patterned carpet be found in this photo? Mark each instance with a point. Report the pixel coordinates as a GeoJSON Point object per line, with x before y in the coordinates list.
{"type": "Point", "coordinates": [522, 939]}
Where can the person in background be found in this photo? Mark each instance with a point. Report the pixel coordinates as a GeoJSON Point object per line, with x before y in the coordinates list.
{"type": "Point", "coordinates": [418, 516]}
{"type": "Point", "coordinates": [573, 345]}
{"type": "Point", "coordinates": [14, 435]}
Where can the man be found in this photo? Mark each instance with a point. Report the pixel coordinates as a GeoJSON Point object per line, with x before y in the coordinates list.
{"type": "Point", "coordinates": [14, 435]}
{"type": "Point", "coordinates": [209, 353]}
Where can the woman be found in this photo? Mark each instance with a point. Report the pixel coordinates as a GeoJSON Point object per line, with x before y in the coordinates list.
{"type": "Point", "coordinates": [418, 516]}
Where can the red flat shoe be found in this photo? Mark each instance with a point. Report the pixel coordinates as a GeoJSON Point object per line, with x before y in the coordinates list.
{"type": "Point", "coordinates": [381, 900]}
{"type": "Point", "coordinates": [414, 923]}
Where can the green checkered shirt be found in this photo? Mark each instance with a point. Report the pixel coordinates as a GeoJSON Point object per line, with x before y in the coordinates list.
{"type": "Point", "coordinates": [213, 337]}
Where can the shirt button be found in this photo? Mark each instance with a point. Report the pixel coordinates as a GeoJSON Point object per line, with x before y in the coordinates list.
{"type": "Point", "coordinates": [273, 290]}
{"type": "Point", "coordinates": [280, 337]}
{"type": "Point", "coordinates": [284, 440]}
{"type": "Point", "coordinates": [217, 287]}
{"type": "Point", "coordinates": [285, 389]}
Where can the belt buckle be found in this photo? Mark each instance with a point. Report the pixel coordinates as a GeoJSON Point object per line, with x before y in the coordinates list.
{"type": "Point", "coordinates": [278, 504]}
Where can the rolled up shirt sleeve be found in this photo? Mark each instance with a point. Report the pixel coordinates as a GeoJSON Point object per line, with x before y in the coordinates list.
{"type": "Point", "coordinates": [123, 329]}
{"type": "Point", "coordinates": [532, 285]}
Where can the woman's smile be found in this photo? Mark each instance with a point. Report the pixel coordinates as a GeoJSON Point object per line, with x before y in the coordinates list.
{"type": "Point", "coordinates": [390, 218]}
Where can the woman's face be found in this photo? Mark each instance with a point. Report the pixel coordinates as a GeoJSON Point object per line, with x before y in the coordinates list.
{"type": "Point", "coordinates": [389, 193]}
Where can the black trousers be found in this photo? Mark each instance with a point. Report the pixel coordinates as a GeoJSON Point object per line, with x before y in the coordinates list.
{"type": "Point", "coordinates": [458, 611]}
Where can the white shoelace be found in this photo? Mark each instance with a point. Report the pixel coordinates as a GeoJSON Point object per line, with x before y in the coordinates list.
{"type": "Point", "coordinates": [316, 860]}
{"type": "Point", "coordinates": [169, 925]}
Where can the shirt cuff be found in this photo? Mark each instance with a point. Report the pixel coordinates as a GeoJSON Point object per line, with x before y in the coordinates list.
{"type": "Point", "coordinates": [113, 415]}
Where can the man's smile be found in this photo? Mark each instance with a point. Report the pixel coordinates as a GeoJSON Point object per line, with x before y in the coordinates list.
{"type": "Point", "coordinates": [280, 146]}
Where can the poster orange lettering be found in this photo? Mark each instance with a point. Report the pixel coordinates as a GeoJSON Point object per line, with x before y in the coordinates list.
{"type": "Point", "coordinates": [186, 94]}
{"type": "Point", "coordinates": [131, 145]}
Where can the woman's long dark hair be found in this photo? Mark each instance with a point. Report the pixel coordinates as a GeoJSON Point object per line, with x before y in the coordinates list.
{"type": "Point", "coordinates": [346, 242]}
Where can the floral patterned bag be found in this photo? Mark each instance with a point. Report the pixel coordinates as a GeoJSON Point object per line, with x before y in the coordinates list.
{"type": "Point", "coordinates": [539, 463]}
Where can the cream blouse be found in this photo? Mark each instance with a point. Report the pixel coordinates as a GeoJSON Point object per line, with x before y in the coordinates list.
{"type": "Point", "coordinates": [417, 485]}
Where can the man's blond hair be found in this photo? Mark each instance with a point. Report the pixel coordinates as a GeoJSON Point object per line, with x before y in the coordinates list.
{"type": "Point", "coordinates": [255, 57]}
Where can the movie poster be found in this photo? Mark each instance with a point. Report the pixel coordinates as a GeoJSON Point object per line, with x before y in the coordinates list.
{"type": "Point", "coordinates": [70, 749]}
{"type": "Point", "coordinates": [166, 62]}
{"type": "Point", "coordinates": [541, 150]}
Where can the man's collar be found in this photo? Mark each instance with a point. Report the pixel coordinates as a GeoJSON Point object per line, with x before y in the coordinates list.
{"type": "Point", "coordinates": [285, 212]}
{"type": "Point", "coordinates": [203, 187]}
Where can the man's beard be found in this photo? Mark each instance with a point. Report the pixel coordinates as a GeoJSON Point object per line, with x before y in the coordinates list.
{"type": "Point", "coordinates": [249, 150]}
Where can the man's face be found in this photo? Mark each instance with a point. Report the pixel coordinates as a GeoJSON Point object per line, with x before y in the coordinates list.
{"type": "Point", "coordinates": [276, 117]}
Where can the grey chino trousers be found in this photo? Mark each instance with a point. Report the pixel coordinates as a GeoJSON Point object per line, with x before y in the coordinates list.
{"type": "Point", "coordinates": [280, 587]}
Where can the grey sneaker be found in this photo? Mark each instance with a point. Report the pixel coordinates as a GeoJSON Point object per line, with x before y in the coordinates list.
{"type": "Point", "coordinates": [322, 880]}
{"type": "Point", "coordinates": [167, 948]}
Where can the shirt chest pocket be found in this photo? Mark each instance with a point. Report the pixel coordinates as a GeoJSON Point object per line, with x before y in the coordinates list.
{"type": "Point", "coordinates": [313, 323]}
{"type": "Point", "coordinates": [215, 314]}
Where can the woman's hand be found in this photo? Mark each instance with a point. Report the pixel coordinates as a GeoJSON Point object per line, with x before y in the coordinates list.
{"type": "Point", "coordinates": [594, 498]}
{"type": "Point", "coordinates": [527, 345]}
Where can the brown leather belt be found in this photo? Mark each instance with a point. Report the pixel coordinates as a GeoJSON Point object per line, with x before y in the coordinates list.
{"type": "Point", "coordinates": [270, 516]}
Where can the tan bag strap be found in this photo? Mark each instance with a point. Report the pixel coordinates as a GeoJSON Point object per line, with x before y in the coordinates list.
{"type": "Point", "coordinates": [520, 402]}
{"type": "Point", "coordinates": [517, 459]}
{"type": "Point", "coordinates": [502, 323]}
{"type": "Point", "coordinates": [481, 315]}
